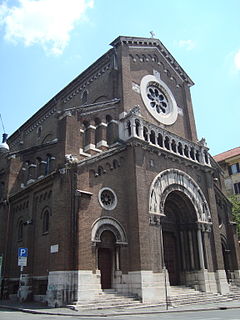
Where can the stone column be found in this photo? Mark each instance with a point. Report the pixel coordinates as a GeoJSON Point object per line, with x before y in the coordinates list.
{"type": "Point", "coordinates": [191, 249]}
{"type": "Point", "coordinates": [200, 249]}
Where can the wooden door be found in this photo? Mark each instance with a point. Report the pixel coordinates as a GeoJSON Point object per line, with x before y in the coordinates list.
{"type": "Point", "coordinates": [170, 257]}
{"type": "Point", "coordinates": [105, 267]}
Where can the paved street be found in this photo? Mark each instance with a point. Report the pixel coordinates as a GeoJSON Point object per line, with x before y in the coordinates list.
{"type": "Point", "coordinates": [229, 314]}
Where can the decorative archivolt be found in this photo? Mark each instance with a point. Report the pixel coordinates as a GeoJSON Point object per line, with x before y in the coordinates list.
{"type": "Point", "coordinates": [108, 224]}
{"type": "Point", "coordinates": [176, 180]}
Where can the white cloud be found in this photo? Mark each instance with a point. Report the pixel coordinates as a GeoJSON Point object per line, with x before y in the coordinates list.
{"type": "Point", "coordinates": [44, 22]}
{"type": "Point", "coordinates": [187, 44]}
{"type": "Point", "coordinates": [237, 60]}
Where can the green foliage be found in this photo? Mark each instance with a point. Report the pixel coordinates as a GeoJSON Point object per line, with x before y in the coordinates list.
{"type": "Point", "coordinates": [236, 211]}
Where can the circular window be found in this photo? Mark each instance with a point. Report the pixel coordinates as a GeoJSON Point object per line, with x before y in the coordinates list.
{"type": "Point", "coordinates": [107, 198]}
{"type": "Point", "coordinates": [159, 100]}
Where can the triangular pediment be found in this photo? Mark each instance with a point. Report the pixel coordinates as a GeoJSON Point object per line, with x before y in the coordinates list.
{"type": "Point", "coordinates": [139, 42]}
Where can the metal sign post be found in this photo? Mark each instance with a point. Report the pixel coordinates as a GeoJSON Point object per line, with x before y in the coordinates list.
{"type": "Point", "coordinates": [22, 262]}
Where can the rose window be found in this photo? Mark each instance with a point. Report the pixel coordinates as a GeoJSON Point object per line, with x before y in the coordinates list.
{"type": "Point", "coordinates": [158, 101]}
{"type": "Point", "coordinates": [107, 198]}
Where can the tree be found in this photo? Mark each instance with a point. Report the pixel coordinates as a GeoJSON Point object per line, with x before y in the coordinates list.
{"type": "Point", "coordinates": [236, 211]}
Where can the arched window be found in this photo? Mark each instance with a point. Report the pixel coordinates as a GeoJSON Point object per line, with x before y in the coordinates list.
{"type": "Point", "coordinates": [160, 140]}
{"type": "Point", "coordinates": [152, 137]}
{"type": "Point", "coordinates": [206, 157]}
{"type": "Point", "coordinates": [174, 146]}
{"type": "Point", "coordinates": [180, 148]}
{"type": "Point", "coordinates": [137, 127]}
{"type": "Point", "coordinates": [84, 97]}
{"type": "Point", "coordinates": [145, 133]}
{"type": "Point", "coordinates": [100, 170]}
{"type": "Point", "coordinates": [192, 153]}
{"type": "Point", "coordinates": [166, 143]}
{"type": "Point", "coordinates": [45, 219]}
{"type": "Point", "coordinates": [20, 231]}
{"type": "Point", "coordinates": [115, 164]}
{"type": "Point", "coordinates": [186, 153]}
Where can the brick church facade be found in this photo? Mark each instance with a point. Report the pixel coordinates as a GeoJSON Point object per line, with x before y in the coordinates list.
{"type": "Point", "coordinates": [108, 186]}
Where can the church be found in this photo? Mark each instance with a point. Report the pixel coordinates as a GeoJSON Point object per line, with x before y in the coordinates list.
{"type": "Point", "coordinates": [108, 187]}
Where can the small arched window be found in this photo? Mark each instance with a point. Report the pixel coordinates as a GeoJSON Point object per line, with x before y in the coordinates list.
{"type": "Point", "coordinates": [100, 171]}
{"type": "Point", "coordinates": [145, 133]}
{"type": "Point", "coordinates": [45, 218]}
{"type": "Point", "coordinates": [84, 97]}
{"type": "Point", "coordinates": [167, 143]}
{"type": "Point", "coordinates": [160, 140]}
{"type": "Point", "coordinates": [137, 127]}
{"type": "Point", "coordinates": [152, 137]}
{"type": "Point", "coordinates": [115, 164]}
{"type": "Point", "coordinates": [20, 231]}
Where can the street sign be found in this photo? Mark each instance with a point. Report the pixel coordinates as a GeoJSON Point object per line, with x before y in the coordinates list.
{"type": "Point", "coordinates": [22, 261]}
{"type": "Point", "coordinates": [22, 252]}
{"type": "Point", "coordinates": [22, 257]}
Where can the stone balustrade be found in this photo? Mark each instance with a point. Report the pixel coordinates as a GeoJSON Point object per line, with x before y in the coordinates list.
{"type": "Point", "coordinates": [133, 125]}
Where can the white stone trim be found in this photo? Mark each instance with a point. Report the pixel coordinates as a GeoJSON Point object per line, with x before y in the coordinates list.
{"type": "Point", "coordinates": [108, 223]}
{"type": "Point", "coordinates": [173, 179]}
{"type": "Point", "coordinates": [168, 118]}
{"type": "Point", "coordinates": [92, 146]}
{"type": "Point", "coordinates": [68, 286]}
{"type": "Point", "coordinates": [82, 153]}
{"type": "Point", "coordinates": [114, 204]}
{"type": "Point", "coordinates": [102, 143]}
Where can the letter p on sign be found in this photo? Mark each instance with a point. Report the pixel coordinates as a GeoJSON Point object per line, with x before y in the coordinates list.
{"type": "Point", "coordinates": [22, 252]}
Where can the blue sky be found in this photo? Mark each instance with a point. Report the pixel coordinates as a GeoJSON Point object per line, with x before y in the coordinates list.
{"type": "Point", "coordinates": [44, 44]}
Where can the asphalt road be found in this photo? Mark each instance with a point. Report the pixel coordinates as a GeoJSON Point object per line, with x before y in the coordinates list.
{"type": "Point", "coordinates": [229, 314]}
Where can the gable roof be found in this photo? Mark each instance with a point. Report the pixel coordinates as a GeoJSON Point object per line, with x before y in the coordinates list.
{"type": "Point", "coordinates": [227, 154]}
{"type": "Point", "coordinates": [154, 43]}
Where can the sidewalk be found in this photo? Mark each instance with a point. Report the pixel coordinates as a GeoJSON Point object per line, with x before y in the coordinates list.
{"type": "Point", "coordinates": [38, 308]}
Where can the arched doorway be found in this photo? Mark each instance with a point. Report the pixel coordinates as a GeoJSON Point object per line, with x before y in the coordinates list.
{"type": "Point", "coordinates": [106, 258]}
{"type": "Point", "coordinates": [178, 201]}
{"type": "Point", "coordinates": [108, 236]}
{"type": "Point", "coordinates": [180, 243]}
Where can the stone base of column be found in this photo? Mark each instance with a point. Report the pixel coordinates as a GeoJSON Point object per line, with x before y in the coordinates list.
{"type": "Point", "coordinates": [64, 287]}
{"type": "Point", "coordinates": [236, 277]}
{"type": "Point", "coordinates": [221, 279]}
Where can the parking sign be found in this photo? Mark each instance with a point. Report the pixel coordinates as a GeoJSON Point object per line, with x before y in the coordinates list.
{"type": "Point", "coordinates": [22, 252]}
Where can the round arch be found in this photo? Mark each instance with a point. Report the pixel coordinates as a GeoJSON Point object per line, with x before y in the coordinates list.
{"type": "Point", "coordinates": [176, 180]}
{"type": "Point", "coordinates": [108, 224]}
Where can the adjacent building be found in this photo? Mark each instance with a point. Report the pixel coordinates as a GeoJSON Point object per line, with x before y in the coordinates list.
{"type": "Point", "coordinates": [229, 161]}
{"type": "Point", "coordinates": [108, 186]}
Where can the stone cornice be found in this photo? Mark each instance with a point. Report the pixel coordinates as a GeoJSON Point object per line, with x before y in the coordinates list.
{"type": "Point", "coordinates": [102, 155]}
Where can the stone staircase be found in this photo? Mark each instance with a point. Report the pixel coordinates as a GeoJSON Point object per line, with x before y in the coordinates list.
{"type": "Point", "coordinates": [180, 295]}
{"type": "Point", "coordinates": [108, 299]}
{"type": "Point", "coordinates": [234, 292]}
{"type": "Point", "coordinates": [177, 296]}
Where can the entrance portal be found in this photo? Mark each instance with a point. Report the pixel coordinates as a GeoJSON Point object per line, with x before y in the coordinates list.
{"type": "Point", "coordinates": [179, 238]}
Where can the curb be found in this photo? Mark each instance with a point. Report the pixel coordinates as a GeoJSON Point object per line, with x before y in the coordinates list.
{"type": "Point", "coordinates": [105, 315]}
